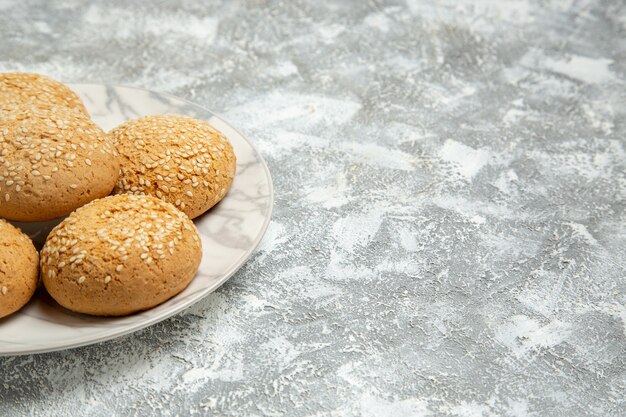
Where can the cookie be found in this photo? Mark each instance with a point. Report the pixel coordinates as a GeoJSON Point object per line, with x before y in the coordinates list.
{"type": "Point", "coordinates": [178, 159]}
{"type": "Point", "coordinates": [52, 161]}
{"type": "Point", "coordinates": [119, 255]}
{"type": "Point", "coordinates": [19, 269]}
{"type": "Point", "coordinates": [24, 90]}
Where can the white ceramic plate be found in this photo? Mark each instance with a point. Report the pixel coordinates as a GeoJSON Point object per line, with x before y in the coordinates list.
{"type": "Point", "coordinates": [230, 232]}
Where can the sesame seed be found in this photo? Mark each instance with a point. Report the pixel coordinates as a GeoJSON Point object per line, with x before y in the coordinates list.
{"type": "Point", "coordinates": [73, 186]}
{"type": "Point", "coordinates": [81, 279]}
{"type": "Point", "coordinates": [107, 279]}
{"type": "Point", "coordinates": [4, 290]}
{"type": "Point", "coordinates": [119, 268]}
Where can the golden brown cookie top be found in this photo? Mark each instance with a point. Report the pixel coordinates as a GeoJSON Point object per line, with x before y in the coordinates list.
{"type": "Point", "coordinates": [52, 161]}
{"type": "Point", "coordinates": [179, 159]}
{"type": "Point", "coordinates": [22, 89]}
{"type": "Point", "coordinates": [119, 231]}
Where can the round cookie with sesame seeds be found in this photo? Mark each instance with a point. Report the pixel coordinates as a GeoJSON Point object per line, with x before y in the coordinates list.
{"type": "Point", "coordinates": [179, 159]}
{"type": "Point", "coordinates": [52, 161]}
{"type": "Point", "coordinates": [19, 269]}
{"type": "Point", "coordinates": [119, 255]}
{"type": "Point", "coordinates": [23, 89]}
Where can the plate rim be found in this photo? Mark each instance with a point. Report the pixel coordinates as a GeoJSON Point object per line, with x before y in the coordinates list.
{"type": "Point", "coordinates": [86, 341]}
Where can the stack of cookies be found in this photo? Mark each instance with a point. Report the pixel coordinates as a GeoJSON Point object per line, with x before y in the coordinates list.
{"type": "Point", "coordinates": [127, 243]}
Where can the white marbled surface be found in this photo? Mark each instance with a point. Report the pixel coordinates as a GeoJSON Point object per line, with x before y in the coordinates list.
{"type": "Point", "coordinates": [449, 231]}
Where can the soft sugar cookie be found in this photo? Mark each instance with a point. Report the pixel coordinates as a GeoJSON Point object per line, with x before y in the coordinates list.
{"type": "Point", "coordinates": [52, 161]}
{"type": "Point", "coordinates": [119, 255]}
{"type": "Point", "coordinates": [178, 159]}
{"type": "Point", "coordinates": [22, 89]}
{"type": "Point", "coordinates": [19, 269]}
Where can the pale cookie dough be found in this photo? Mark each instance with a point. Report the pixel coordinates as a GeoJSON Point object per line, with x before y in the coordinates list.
{"type": "Point", "coordinates": [24, 90]}
{"type": "Point", "coordinates": [178, 159]}
{"type": "Point", "coordinates": [19, 269]}
{"type": "Point", "coordinates": [52, 161]}
{"type": "Point", "coordinates": [119, 255]}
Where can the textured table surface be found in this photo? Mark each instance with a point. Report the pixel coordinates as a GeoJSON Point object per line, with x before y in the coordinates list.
{"type": "Point", "coordinates": [449, 232]}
